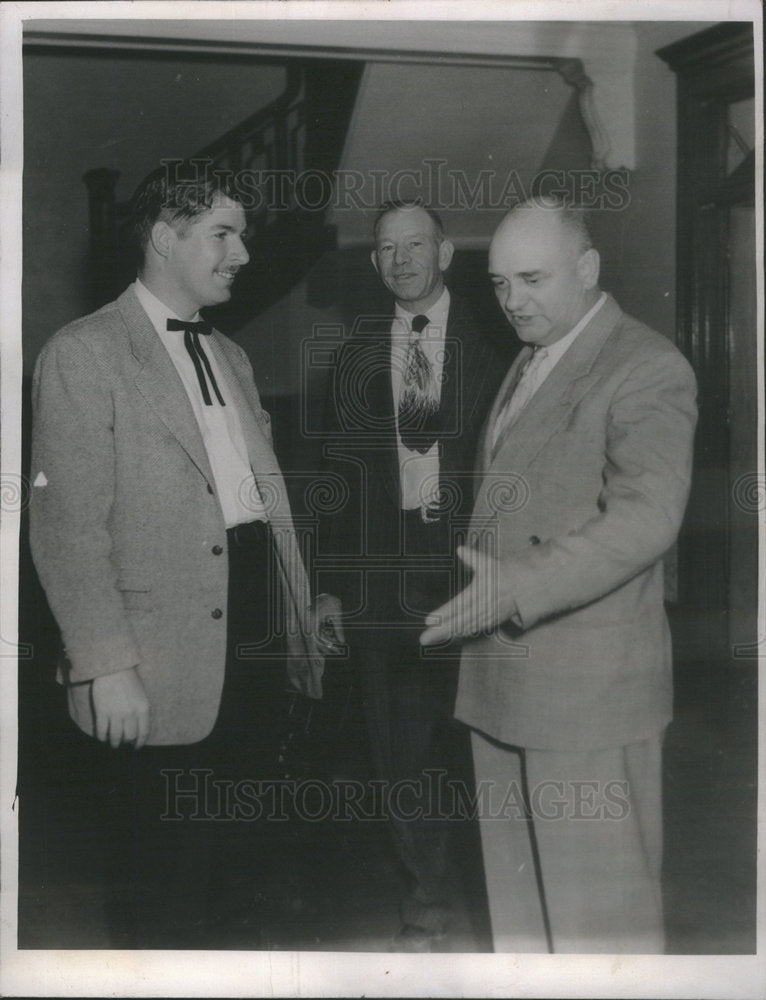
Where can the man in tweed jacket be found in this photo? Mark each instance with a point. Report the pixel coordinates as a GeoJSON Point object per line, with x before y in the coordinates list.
{"type": "Point", "coordinates": [565, 676]}
{"type": "Point", "coordinates": [162, 533]}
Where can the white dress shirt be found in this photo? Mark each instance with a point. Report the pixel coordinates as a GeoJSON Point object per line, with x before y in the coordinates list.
{"type": "Point", "coordinates": [219, 426]}
{"type": "Point", "coordinates": [419, 474]}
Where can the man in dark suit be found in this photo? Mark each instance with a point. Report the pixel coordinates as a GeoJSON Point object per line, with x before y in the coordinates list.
{"type": "Point", "coordinates": [566, 671]}
{"type": "Point", "coordinates": [162, 533]}
{"type": "Point", "coordinates": [408, 398]}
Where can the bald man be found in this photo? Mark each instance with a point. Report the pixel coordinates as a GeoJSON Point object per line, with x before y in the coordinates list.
{"type": "Point", "coordinates": [565, 675]}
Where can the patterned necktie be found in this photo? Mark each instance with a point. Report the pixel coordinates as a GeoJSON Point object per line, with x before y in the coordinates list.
{"type": "Point", "coordinates": [526, 387]}
{"type": "Point", "coordinates": [418, 401]}
{"type": "Point", "coordinates": [197, 354]}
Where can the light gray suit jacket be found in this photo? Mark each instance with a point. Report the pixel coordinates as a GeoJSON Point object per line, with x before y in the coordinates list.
{"type": "Point", "coordinates": [126, 523]}
{"type": "Point", "coordinates": [581, 498]}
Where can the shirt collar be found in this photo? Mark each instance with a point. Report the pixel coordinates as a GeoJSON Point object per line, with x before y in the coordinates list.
{"type": "Point", "coordinates": [437, 314]}
{"type": "Point", "coordinates": [555, 351]}
{"type": "Point", "coordinates": [155, 308]}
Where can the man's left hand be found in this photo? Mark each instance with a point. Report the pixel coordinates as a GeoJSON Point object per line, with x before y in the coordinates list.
{"type": "Point", "coordinates": [478, 609]}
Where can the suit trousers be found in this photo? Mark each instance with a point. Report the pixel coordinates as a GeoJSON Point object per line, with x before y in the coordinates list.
{"type": "Point", "coordinates": [575, 838]}
{"type": "Point", "coordinates": [188, 841]}
{"type": "Point", "coordinates": [408, 697]}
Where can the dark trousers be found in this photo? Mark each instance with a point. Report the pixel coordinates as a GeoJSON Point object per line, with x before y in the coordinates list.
{"type": "Point", "coordinates": [189, 841]}
{"type": "Point", "coordinates": [408, 696]}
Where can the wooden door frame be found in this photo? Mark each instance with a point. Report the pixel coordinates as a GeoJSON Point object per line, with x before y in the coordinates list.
{"type": "Point", "coordinates": [715, 68]}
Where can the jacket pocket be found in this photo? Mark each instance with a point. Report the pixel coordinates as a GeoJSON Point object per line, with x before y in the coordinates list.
{"type": "Point", "coordinates": [137, 593]}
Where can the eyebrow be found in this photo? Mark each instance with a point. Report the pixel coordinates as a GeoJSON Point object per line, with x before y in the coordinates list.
{"type": "Point", "coordinates": [228, 228]}
{"type": "Point", "coordinates": [520, 274]}
{"type": "Point", "coordinates": [407, 236]}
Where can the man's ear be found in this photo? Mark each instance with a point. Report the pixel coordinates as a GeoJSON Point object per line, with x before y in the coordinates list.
{"type": "Point", "coordinates": [588, 267]}
{"type": "Point", "coordinates": [446, 249]}
{"type": "Point", "coordinates": [161, 238]}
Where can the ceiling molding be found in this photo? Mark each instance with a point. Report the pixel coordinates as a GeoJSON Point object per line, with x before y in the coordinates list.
{"type": "Point", "coordinates": [607, 52]}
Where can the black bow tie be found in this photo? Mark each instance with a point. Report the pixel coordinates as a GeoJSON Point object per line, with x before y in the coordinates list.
{"type": "Point", "coordinates": [199, 326]}
{"type": "Point", "coordinates": [201, 362]}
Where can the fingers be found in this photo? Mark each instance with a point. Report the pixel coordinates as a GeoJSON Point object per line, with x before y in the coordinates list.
{"type": "Point", "coordinates": [440, 625]}
{"type": "Point", "coordinates": [339, 630]}
{"type": "Point", "coordinates": [118, 730]}
{"type": "Point", "coordinates": [129, 729]}
{"type": "Point", "coordinates": [438, 635]}
{"type": "Point", "coordinates": [142, 733]}
{"type": "Point", "coordinates": [442, 614]}
{"type": "Point", "coordinates": [467, 614]}
{"type": "Point", "coordinates": [463, 615]}
{"type": "Point", "coordinates": [476, 609]}
{"type": "Point", "coordinates": [434, 636]}
{"type": "Point", "coordinates": [330, 635]}
{"type": "Point", "coordinates": [102, 725]}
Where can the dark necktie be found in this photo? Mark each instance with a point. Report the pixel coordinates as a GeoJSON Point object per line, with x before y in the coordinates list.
{"type": "Point", "coordinates": [418, 401]}
{"type": "Point", "coordinates": [197, 354]}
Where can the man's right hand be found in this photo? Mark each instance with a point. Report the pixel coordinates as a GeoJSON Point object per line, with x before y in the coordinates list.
{"type": "Point", "coordinates": [122, 708]}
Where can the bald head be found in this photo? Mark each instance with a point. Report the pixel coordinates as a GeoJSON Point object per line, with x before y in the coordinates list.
{"type": "Point", "coordinates": [571, 222]}
{"type": "Point", "coordinates": [544, 270]}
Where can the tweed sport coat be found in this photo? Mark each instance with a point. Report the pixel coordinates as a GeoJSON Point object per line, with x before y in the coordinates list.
{"type": "Point", "coordinates": [127, 533]}
{"type": "Point", "coordinates": [580, 499]}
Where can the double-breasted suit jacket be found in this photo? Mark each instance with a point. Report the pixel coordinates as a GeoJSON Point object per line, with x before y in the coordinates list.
{"type": "Point", "coordinates": [365, 536]}
{"type": "Point", "coordinates": [580, 498]}
{"type": "Point", "coordinates": [127, 532]}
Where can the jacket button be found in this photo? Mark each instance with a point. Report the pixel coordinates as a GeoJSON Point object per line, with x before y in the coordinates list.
{"type": "Point", "coordinates": [217, 550]}
{"type": "Point", "coordinates": [534, 539]}
{"type": "Point", "coordinates": [209, 488]}
{"type": "Point", "coordinates": [217, 613]}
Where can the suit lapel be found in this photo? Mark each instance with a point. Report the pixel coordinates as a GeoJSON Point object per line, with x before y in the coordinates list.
{"type": "Point", "coordinates": [159, 382]}
{"type": "Point", "coordinates": [559, 394]}
{"type": "Point", "coordinates": [380, 396]}
{"type": "Point", "coordinates": [453, 372]}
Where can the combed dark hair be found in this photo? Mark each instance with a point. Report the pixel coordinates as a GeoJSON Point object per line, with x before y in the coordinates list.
{"type": "Point", "coordinates": [392, 206]}
{"type": "Point", "coordinates": [574, 220]}
{"type": "Point", "coordinates": [176, 192]}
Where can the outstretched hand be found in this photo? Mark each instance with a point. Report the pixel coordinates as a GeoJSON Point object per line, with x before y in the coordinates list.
{"type": "Point", "coordinates": [478, 609]}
